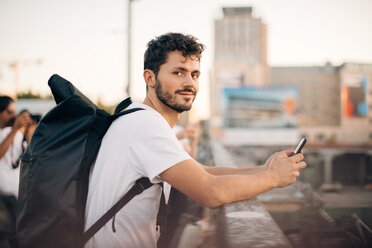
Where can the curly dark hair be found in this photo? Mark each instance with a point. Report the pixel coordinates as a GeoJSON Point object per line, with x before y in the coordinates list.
{"type": "Point", "coordinates": [159, 48]}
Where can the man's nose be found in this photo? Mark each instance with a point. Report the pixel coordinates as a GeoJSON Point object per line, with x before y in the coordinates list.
{"type": "Point", "coordinates": [189, 81]}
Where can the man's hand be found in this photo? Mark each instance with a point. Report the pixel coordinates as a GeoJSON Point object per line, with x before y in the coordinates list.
{"type": "Point", "coordinates": [29, 131]}
{"type": "Point", "coordinates": [285, 168]}
{"type": "Point", "coordinates": [22, 120]}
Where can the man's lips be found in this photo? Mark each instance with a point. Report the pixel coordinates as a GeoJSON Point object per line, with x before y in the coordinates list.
{"type": "Point", "coordinates": [186, 92]}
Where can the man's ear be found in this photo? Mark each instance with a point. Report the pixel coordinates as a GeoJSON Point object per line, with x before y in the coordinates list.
{"type": "Point", "coordinates": [149, 77]}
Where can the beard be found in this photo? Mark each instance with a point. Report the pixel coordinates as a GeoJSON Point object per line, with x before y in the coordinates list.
{"type": "Point", "coordinates": [170, 100]}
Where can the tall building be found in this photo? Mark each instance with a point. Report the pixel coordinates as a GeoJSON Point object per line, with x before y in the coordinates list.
{"type": "Point", "coordinates": [240, 109]}
{"type": "Point", "coordinates": [240, 53]}
{"type": "Point", "coordinates": [240, 38]}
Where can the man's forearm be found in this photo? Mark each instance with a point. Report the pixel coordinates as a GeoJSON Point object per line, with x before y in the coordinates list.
{"type": "Point", "coordinates": [189, 177]}
{"type": "Point", "coordinates": [194, 149]}
{"type": "Point", "coordinates": [214, 186]}
{"type": "Point", "coordinates": [219, 171]}
{"type": "Point", "coordinates": [233, 188]}
{"type": "Point", "coordinates": [4, 146]}
{"type": "Point", "coordinates": [29, 132]}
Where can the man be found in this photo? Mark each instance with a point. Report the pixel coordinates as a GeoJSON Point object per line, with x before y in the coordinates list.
{"type": "Point", "coordinates": [189, 137]}
{"type": "Point", "coordinates": [142, 144]}
{"type": "Point", "coordinates": [13, 131]}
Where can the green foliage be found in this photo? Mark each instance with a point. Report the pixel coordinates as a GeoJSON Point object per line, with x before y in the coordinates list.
{"type": "Point", "coordinates": [109, 109]}
{"type": "Point", "coordinates": [30, 94]}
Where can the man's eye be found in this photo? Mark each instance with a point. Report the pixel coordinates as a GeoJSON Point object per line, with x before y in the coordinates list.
{"type": "Point", "coordinates": [195, 76]}
{"type": "Point", "coordinates": [178, 73]}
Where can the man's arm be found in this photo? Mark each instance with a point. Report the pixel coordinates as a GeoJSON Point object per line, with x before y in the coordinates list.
{"type": "Point", "coordinates": [211, 190]}
{"type": "Point", "coordinates": [30, 131]}
{"type": "Point", "coordinates": [7, 142]}
{"type": "Point", "coordinates": [216, 170]}
{"type": "Point", "coordinates": [19, 122]}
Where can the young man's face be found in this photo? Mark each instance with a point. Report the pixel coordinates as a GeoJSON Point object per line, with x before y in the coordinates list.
{"type": "Point", "coordinates": [7, 115]}
{"type": "Point", "coordinates": [177, 82]}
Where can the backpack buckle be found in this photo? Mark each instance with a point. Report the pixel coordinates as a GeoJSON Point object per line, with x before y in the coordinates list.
{"type": "Point", "coordinates": [161, 224]}
{"type": "Point", "coordinates": [139, 188]}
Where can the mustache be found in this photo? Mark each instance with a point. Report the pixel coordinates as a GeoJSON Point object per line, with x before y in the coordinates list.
{"type": "Point", "coordinates": [187, 90]}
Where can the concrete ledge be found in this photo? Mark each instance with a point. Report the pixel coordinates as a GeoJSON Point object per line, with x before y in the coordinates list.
{"type": "Point", "coordinates": [246, 223]}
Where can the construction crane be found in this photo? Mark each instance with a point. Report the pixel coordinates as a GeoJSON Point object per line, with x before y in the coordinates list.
{"type": "Point", "coordinates": [15, 65]}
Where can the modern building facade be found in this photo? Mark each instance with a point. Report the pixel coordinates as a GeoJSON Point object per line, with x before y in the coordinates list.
{"type": "Point", "coordinates": [240, 37]}
{"type": "Point", "coordinates": [318, 100]}
{"type": "Point", "coordinates": [333, 104]}
{"type": "Point", "coordinates": [240, 53]}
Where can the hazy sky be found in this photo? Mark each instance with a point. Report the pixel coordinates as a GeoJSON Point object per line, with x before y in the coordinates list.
{"type": "Point", "coordinates": [85, 40]}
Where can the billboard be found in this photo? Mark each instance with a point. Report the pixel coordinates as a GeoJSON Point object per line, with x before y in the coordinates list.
{"type": "Point", "coordinates": [248, 107]}
{"type": "Point", "coordinates": [354, 95]}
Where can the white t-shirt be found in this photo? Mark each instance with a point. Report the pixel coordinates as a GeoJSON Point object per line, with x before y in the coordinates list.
{"type": "Point", "coordinates": [9, 177]}
{"type": "Point", "coordinates": [140, 144]}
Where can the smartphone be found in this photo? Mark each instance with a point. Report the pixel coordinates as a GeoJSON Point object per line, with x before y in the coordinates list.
{"type": "Point", "coordinates": [299, 146]}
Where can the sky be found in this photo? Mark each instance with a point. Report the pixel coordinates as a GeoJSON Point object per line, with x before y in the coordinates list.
{"type": "Point", "coordinates": [85, 41]}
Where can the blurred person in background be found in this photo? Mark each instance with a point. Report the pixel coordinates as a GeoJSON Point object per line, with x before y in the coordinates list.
{"type": "Point", "coordinates": [189, 137]}
{"type": "Point", "coordinates": [15, 131]}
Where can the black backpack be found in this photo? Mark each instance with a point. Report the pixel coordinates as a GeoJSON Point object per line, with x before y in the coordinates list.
{"type": "Point", "coordinates": [55, 171]}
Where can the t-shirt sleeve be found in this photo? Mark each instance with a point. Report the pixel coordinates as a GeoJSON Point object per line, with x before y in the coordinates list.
{"type": "Point", "coordinates": [156, 146]}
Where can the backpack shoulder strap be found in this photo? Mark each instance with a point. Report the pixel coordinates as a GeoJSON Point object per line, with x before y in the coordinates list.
{"type": "Point", "coordinates": [140, 185]}
{"type": "Point", "coordinates": [121, 109]}
{"type": "Point", "coordinates": [128, 111]}
{"type": "Point", "coordinates": [123, 105]}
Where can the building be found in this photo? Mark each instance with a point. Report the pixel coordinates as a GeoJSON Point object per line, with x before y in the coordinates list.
{"type": "Point", "coordinates": [335, 102]}
{"type": "Point", "coordinates": [245, 108]}
{"type": "Point", "coordinates": [318, 87]}
{"type": "Point", "coordinates": [356, 103]}
{"type": "Point", "coordinates": [240, 53]}
{"type": "Point", "coordinates": [240, 37]}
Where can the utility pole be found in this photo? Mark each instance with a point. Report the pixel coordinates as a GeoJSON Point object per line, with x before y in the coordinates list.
{"type": "Point", "coordinates": [15, 66]}
{"type": "Point", "coordinates": [129, 34]}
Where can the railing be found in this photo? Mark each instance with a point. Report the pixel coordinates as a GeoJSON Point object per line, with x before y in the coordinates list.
{"type": "Point", "coordinates": [242, 224]}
